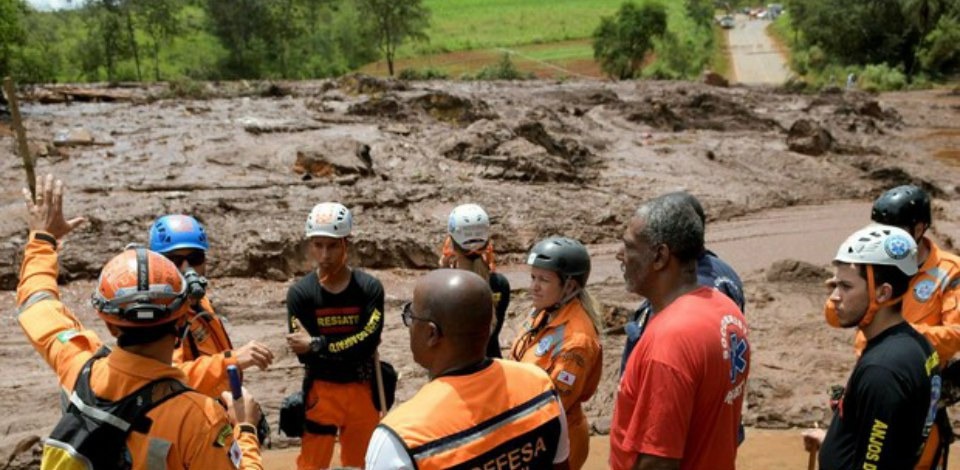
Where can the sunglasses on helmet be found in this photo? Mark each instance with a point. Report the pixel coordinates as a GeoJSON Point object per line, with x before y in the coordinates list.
{"type": "Point", "coordinates": [194, 258]}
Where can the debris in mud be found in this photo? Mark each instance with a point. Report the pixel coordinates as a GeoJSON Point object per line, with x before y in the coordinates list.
{"type": "Point", "coordinates": [385, 106]}
{"type": "Point", "coordinates": [258, 126]}
{"type": "Point", "coordinates": [705, 111]}
{"type": "Point", "coordinates": [791, 270]}
{"type": "Point", "coordinates": [26, 454]}
{"type": "Point", "coordinates": [359, 84]}
{"type": "Point", "coordinates": [77, 137]}
{"type": "Point", "coordinates": [896, 176]}
{"type": "Point", "coordinates": [527, 153]}
{"type": "Point", "coordinates": [445, 107]}
{"type": "Point", "coordinates": [809, 138]}
{"type": "Point", "coordinates": [337, 158]}
{"type": "Point", "coordinates": [715, 79]}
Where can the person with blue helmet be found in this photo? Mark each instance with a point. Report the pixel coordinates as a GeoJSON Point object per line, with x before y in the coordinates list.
{"type": "Point", "coordinates": [205, 348]}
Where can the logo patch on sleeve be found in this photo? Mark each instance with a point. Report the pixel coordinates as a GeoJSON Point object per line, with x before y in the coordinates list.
{"type": "Point", "coordinates": [66, 335]}
{"type": "Point", "coordinates": [225, 432]}
{"type": "Point", "coordinates": [566, 378]}
{"type": "Point", "coordinates": [235, 454]}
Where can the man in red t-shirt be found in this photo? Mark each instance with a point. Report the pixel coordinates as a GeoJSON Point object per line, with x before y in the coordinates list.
{"type": "Point", "coordinates": [679, 401]}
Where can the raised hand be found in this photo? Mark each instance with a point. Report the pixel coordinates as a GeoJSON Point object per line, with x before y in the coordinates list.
{"type": "Point", "coordinates": [46, 213]}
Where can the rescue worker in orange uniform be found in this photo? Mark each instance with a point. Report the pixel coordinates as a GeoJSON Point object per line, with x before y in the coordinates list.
{"type": "Point", "coordinates": [931, 304]}
{"type": "Point", "coordinates": [475, 412]}
{"type": "Point", "coordinates": [468, 246]}
{"type": "Point", "coordinates": [341, 311]}
{"type": "Point", "coordinates": [141, 296]}
{"type": "Point", "coordinates": [205, 349]}
{"type": "Point", "coordinates": [561, 334]}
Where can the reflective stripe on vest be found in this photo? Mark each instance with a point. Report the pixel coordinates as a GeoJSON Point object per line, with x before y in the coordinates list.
{"type": "Point", "coordinates": [506, 416]}
{"type": "Point", "coordinates": [157, 451]}
{"type": "Point", "coordinates": [35, 298]}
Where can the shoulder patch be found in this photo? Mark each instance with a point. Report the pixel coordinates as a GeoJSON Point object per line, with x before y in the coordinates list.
{"type": "Point", "coordinates": [566, 378]}
{"type": "Point", "coordinates": [225, 432]}
{"type": "Point", "coordinates": [235, 454]}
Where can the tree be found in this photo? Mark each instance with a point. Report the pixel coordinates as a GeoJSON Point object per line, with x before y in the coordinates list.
{"type": "Point", "coordinates": [245, 28]}
{"type": "Point", "coordinates": [622, 42]}
{"type": "Point", "coordinates": [159, 20]}
{"type": "Point", "coordinates": [394, 22]}
{"type": "Point", "coordinates": [11, 32]}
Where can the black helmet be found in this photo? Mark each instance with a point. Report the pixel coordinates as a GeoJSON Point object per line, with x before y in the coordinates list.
{"type": "Point", "coordinates": [564, 256]}
{"type": "Point", "coordinates": [903, 206]}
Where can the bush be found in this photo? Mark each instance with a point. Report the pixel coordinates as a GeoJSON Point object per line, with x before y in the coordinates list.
{"type": "Point", "coordinates": [882, 77]}
{"type": "Point", "coordinates": [422, 74]}
{"type": "Point", "coordinates": [502, 70]}
{"type": "Point", "coordinates": [187, 88]}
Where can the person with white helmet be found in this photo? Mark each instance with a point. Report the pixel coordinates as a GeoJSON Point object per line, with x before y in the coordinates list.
{"type": "Point", "coordinates": [932, 305]}
{"type": "Point", "coordinates": [338, 314]}
{"type": "Point", "coordinates": [889, 403]}
{"type": "Point", "coordinates": [468, 247]}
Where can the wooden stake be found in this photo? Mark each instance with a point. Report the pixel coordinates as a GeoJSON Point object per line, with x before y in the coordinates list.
{"type": "Point", "coordinates": [24, 150]}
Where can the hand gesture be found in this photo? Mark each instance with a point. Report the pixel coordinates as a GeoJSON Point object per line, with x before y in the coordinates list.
{"type": "Point", "coordinates": [46, 213]}
{"type": "Point", "coordinates": [254, 354]}
{"type": "Point", "coordinates": [299, 340]}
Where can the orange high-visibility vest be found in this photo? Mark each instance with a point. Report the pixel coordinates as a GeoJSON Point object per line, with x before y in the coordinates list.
{"type": "Point", "coordinates": [505, 415]}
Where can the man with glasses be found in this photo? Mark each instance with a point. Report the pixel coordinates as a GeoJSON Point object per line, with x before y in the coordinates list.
{"type": "Point", "coordinates": [205, 349]}
{"type": "Point", "coordinates": [340, 310]}
{"type": "Point", "coordinates": [475, 412]}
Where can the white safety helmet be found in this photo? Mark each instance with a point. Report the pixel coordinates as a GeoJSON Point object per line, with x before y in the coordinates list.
{"type": "Point", "coordinates": [329, 219]}
{"type": "Point", "coordinates": [880, 244]}
{"type": "Point", "coordinates": [469, 226]}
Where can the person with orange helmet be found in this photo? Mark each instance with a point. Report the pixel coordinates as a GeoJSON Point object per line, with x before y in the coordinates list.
{"type": "Point", "coordinates": [468, 246]}
{"type": "Point", "coordinates": [340, 310]}
{"type": "Point", "coordinates": [205, 348]}
{"type": "Point", "coordinates": [562, 333]}
{"type": "Point", "coordinates": [128, 406]}
{"type": "Point", "coordinates": [932, 304]}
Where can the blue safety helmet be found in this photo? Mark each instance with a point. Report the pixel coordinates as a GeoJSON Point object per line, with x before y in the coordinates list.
{"type": "Point", "coordinates": [174, 232]}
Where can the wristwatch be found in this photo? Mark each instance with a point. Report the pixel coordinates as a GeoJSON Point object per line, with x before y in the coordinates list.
{"type": "Point", "coordinates": [317, 343]}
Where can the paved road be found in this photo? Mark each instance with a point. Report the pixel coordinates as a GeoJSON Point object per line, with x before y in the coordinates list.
{"type": "Point", "coordinates": [754, 56]}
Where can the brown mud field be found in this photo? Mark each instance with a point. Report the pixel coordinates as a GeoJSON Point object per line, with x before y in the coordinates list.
{"type": "Point", "coordinates": [784, 178]}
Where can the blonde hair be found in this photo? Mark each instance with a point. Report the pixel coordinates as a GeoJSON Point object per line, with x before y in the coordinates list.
{"type": "Point", "coordinates": [592, 307]}
{"type": "Point", "coordinates": [477, 265]}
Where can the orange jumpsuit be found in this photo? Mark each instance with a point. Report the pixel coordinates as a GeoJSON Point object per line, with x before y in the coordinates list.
{"type": "Point", "coordinates": [191, 427]}
{"type": "Point", "coordinates": [206, 351]}
{"type": "Point", "coordinates": [568, 349]}
{"type": "Point", "coordinates": [931, 306]}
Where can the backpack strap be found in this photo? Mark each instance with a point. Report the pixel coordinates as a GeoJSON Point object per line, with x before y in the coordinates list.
{"type": "Point", "coordinates": [129, 413]}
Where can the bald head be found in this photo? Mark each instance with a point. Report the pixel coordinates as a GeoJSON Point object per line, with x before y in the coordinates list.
{"type": "Point", "coordinates": [459, 301]}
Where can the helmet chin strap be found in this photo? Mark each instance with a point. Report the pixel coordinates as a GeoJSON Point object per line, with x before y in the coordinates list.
{"type": "Point", "coordinates": [874, 306]}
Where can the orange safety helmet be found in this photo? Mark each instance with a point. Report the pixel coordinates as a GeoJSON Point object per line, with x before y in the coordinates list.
{"type": "Point", "coordinates": [140, 288]}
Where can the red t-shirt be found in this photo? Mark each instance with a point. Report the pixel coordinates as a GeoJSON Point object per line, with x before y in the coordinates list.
{"type": "Point", "coordinates": [682, 390]}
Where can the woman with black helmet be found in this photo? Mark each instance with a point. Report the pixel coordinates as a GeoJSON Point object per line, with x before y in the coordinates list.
{"type": "Point", "coordinates": [562, 333]}
{"type": "Point", "coordinates": [468, 247]}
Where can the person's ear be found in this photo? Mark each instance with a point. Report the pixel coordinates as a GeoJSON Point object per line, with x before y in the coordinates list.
{"type": "Point", "coordinates": [113, 330]}
{"type": "Point", "coordinates": [434, 337]}
{"type": "Point", "coordinates": [884, 293]}
{"type": "Point", "coordinates": [570, 287]}
{"type": "Point", "coordinates": [661, 257]}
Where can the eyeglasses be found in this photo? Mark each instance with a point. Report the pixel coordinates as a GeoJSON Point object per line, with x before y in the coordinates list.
{"type": "Point", "coordinates": [194, 258]}
{"type": "Point", "coordinates": [408, 317]}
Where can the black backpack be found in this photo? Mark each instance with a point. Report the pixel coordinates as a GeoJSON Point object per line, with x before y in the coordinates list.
{"type": "Point", "coordinates": [92, 434]}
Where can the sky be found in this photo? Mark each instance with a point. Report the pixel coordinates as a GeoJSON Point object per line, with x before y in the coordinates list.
{"type": "Point", "coordinates": [52, 4]}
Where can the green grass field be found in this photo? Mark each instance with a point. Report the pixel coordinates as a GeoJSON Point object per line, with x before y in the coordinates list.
{"type": "Point", "coordinates": [549, 41]}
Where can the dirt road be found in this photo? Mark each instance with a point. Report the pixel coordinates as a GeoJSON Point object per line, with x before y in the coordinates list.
{"type": "Point", "coordinates": [755, 58]}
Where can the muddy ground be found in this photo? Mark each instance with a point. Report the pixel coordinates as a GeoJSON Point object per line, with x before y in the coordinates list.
{"type": "Point", "coordinates": [543, 158]}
